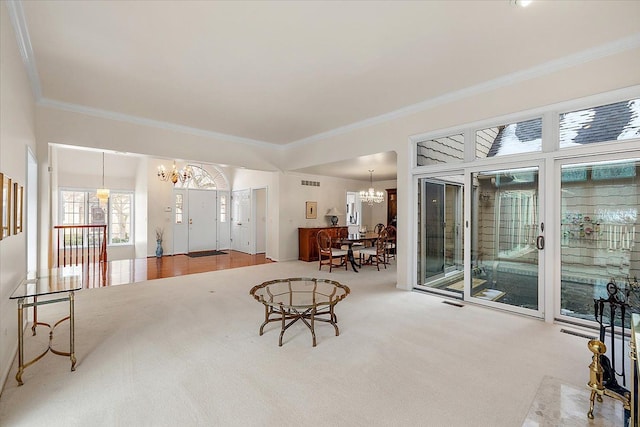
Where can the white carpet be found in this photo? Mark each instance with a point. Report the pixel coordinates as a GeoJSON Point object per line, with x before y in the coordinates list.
{"type": "Point", "coordinates": [186, 351]}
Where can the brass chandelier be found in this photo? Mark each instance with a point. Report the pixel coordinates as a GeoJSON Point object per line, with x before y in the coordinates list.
{"type": "Point", "coordinates": [183, 175]}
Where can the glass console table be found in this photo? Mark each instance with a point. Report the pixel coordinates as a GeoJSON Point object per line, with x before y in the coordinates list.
{"type": "Point", "coordinates": [56, 286]}
{"type": "Point", "coordinates": [299, 298]}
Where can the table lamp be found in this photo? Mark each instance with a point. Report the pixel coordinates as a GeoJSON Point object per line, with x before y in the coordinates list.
{"type": "Point", "coordinates": [333, 213]}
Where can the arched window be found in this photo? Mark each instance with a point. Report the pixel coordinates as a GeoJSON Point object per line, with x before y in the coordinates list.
{"type": "Point", "coordinates": [203, 180]}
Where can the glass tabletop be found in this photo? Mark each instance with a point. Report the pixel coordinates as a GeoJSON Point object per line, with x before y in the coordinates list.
{"type": "Point", "coordinates": [56, 280]}
{"type": "Point", "coordinates": [300, 292]}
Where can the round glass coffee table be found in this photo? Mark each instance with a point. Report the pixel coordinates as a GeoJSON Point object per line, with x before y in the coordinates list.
{"type": "Point", "coordinates": [299, 298]}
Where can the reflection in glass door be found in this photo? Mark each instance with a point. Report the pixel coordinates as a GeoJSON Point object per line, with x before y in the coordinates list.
{"type": "Point", "coordinates": [600, 233]}
{"type": "Point", "coordinates": [440, 235]}
{"type": "Point", "coordinates": [506, 237]}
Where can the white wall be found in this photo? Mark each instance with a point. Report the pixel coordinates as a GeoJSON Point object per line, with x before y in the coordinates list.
{"type": "Point", "coordinates": [141, 214]}
{"type": "Point", "coordinates": [613, 72]}
{"type": "Point", "coordinates": [17, 132]}
{"type": "Point", "coordinates": [332, 192]}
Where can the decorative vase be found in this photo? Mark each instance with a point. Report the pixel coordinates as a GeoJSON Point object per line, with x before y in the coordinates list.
{"type": "Point", "coordinates": [159, 249]}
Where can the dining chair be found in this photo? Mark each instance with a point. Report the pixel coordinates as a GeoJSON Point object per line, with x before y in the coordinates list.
{"type": "Point", "coordinates": [327, 253]}
{"type": "Point", "coordinates": [375, 255]}
{"type": "Point", "coordinates": [391, 243]}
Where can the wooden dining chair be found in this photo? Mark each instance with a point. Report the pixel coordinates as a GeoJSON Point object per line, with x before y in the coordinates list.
{"type": "Point", "coordinates": [327, 253]}
{"type": "Point", "coordinates": [375, 255]}
{"type": "Point", "coordinates": [391, 243]}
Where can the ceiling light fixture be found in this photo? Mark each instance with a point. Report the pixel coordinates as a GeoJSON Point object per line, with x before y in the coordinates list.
{"type": "Point", "coordinates": [371, 196]}
{"type": "Point", "coordinates": [102, 193]}
{"type": "Point", "coordinates": [521, 3]}
{"type": "Point", "coordinates": [183, 175]}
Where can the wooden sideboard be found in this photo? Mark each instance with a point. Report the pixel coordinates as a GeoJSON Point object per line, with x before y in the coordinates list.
{"type": "Point", "coordinates": [307, 243]}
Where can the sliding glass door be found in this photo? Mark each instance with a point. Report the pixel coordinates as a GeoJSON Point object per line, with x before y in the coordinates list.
{"type": "Point", "coordinates": [440, 233]}
{"type": "Point", "coordinates": [507, 237]}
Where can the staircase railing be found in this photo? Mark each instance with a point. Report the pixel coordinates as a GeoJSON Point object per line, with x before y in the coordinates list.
{"type": "Point", "coordinates": [80, 244]}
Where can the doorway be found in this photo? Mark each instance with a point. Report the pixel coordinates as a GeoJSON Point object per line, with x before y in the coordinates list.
{"type": "Point", "coordinates": [240, 220]}
{"type": "Point", "coordinates": [353, 212]}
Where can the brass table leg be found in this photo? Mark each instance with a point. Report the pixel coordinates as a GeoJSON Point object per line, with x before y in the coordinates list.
{"type": "Point", "coordinates": [22, 365]}
{"type": "Point", "coordinates": [72, 332]}
{"type": "Point", "coordinates": [20, 341]}
{"type": "Point", "coordinates": [313, 331]}
{"type": "Point", "coordinates": [35, 315]}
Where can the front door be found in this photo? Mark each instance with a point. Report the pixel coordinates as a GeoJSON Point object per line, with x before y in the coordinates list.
{"type": "Point", "coordinates": [202, 220]}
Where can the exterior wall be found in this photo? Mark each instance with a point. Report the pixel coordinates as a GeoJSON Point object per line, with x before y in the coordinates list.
{"type": "Point", "coordinates": [17, 132]}
{"type": "Point", "coordinates": [607, 249]}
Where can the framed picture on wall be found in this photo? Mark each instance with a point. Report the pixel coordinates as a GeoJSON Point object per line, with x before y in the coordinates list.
{"type": "Point", "coordinates": [3, 203]}
{"type": "Point", "coordinates": [6, 206]}
{"type": "Point", "coordinates": [312, 210]}
{"type": "Point", "coordinates": [17, 208]}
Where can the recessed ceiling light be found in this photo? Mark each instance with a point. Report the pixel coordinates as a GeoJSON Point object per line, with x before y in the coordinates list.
{"type": "Point", "coordinates": [521, 3]}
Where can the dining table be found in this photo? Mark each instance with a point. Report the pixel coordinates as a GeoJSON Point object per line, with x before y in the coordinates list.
{"type": "Point", "coordinates": [352, 239]}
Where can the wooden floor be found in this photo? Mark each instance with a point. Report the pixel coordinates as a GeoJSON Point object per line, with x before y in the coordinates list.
{"type": "Point", "coordinates": [139, 270]}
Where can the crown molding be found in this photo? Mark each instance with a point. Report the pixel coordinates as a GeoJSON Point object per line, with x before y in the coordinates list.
{"type": "Point", "coordinates": [598, 52]}
{"type": "Point", "coordinates": [112, 115]}
{"type": "Point", "coordinates": [16, 15]}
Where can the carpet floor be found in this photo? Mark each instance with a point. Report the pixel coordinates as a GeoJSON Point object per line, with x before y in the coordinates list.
{"type": "Point", "coordinates": [186, 351]}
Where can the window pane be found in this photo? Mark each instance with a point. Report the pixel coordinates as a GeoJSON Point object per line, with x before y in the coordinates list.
{"type": "Point", "coordinates": [73, 207]}
{"type": "Point", "coordinates": [97, 213]}
{"type": "Point", "coordinates": [120, 224]}
{"type": "Point", "coordinates": [612, 122]}
{"type": "Point", "coordinates": [178, 209]}
{"type": "Point", "coordinates": [223, 208]}
{"type": "Point", "coordinates": [449, 149]}
{"type": "Point", "coordinates": [599, 233]}
{"type": "Point", "coordinates": [514, 138]}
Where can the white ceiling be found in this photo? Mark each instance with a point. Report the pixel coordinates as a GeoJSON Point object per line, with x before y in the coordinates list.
{"type": "Point", "coordinates": [283, 71]}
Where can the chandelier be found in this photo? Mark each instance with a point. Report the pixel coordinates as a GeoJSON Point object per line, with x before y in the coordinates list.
{"type": "Point", "coordinates": [102, 193]}
{"type": "Point", "coordinates": [371, 196]}
{"type": "Point", "coordinates": [174, 175]}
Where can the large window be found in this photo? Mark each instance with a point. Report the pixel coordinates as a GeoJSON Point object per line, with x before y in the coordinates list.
{"type": "Point", "coordinates": [82, 207]}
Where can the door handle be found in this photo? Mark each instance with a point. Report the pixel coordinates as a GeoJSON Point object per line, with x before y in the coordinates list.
{"type": "Point", "coordinates": [540, 242]}
{"type": "Point", "coordinates": [190, 221]}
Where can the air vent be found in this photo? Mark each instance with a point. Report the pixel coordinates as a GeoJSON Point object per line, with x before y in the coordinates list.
{"type": "Point", "coordinates": [455, 304]}
{"type": "Point", "coordinates": [310, 183]}
{"type": "Point", "coordinates": [578, 334]}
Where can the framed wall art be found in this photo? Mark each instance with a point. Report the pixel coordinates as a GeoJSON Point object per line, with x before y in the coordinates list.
{"type": "Point", "coordinates": [6, 206]}
{"type": "Point", "coordinates": [17, 208]}
{"type": "Point", "coordinates": [312, 210]}
{"type": "Point", "coordinates": [2, 206]}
